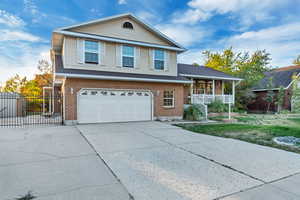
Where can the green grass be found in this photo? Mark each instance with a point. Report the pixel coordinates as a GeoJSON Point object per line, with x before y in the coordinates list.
{"type": "Point", "coordinates": [218, 118]}
{"type": "Point", "coordinates": [245, 119]}
{"type": "Point", "coordinates": [258, 134]}
{"type": "Point", "coordinates": [296, 120]}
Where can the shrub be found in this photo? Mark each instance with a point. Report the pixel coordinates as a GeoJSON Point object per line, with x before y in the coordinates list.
{"type": "Point", "coordinates": [217, 106]}
{"type": "Point", "coordinates": [284, 112]}
{"type": "Point", "coordinates": [193, 112]}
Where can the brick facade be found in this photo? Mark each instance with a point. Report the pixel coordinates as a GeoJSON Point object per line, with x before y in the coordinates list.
{"type": "Point", "coordinates": [73, 85]}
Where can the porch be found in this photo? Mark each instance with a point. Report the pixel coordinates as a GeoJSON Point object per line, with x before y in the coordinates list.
{"type": "Point", "coordinates": [206, 91]}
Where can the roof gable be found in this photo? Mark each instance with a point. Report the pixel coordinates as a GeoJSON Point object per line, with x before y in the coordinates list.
{"type": "Point", "coordinates": [112, 27]}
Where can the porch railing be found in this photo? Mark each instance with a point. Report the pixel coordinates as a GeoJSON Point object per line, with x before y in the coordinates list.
{"type": "Point", "coordinates": [208, 98]}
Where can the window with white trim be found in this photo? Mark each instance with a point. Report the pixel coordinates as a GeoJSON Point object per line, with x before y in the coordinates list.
{"type": "Point", "coordinates": [128, 56]}
{"type": "Point", "coordinates": [91, 52]}
{"type": "Point", "coordinates": [168, 98]}
{"type": "Point", "coordinates": [159, 59]}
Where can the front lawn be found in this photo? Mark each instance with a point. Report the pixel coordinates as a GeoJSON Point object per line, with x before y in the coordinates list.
{"type": "Point", "coordinates": [259, 130]}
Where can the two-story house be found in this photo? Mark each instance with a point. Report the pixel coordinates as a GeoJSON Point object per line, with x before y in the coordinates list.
{"type": "Point", "coordinates": [122, 69]}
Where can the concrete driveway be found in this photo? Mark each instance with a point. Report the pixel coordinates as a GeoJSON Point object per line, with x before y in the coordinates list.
{"type": "Point", "coordinates": [55, 163]}
{"type": "Point", "coordinates": [143, 160]}
{"type": "Point", "coordinates": [158, 161]}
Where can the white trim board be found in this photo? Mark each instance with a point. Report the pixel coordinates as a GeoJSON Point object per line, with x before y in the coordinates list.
{"type": "Point", "coordinates": [211, 77]}
{"type": "Point", "coordinates": [122, 41]}
{"type": "Point", "coordinates": [101, 77]}
{"type": "Point", "coordinates": [130, 15]}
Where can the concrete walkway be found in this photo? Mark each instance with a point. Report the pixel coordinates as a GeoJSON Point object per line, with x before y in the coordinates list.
{"type": "Point", "coordinates": [55, 163]}
{"type": "Point", "coordinates": [158, 161]}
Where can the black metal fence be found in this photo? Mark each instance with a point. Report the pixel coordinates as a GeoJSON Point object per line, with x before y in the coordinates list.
{"type": "Point", "coordinates": [17, 110]}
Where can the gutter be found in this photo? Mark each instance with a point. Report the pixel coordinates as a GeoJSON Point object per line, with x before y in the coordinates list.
{"type": "Point", "coordinates": [211, 77]}
{"type": "Point", "coordinates": [101, 77]}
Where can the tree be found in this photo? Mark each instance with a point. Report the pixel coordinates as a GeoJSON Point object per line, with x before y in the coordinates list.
{"type": "Point", "coordinates": [297, 61]}
{"type": "Point", "coordinates": [280, 98]}
{"type": "Point", "coordinates": [31, 88]}
{"type": "Point", "coordinates": [296, 94]}
{"type": "Point", "coordinates": [14, 84]}
{"type": "Point", "coordinates": [44, 77]}
{"type": "Point", "coordinates": [270, 96]}
{"type": "Point", "coordinates": [34, 87]}
{"type": "Point", "coordinates": [251, 68]}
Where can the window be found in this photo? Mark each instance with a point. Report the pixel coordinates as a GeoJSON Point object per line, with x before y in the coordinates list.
{"type": "Point", "coordinates": [91, 52]}
{"type": "Point", "coordinates": [127, 25]}
{"type": "Point", "coordinates": [209, 87]}
{"type": "Point", "coordinates": [159, 59]}
{"type": "Point", "coordinates": [168, 98]}
{"type": "Point", "coordinates": [128, 56]}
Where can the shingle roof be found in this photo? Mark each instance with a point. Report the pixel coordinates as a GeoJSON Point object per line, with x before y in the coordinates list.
{"type": "Point", "coordinates": [60, 69]}
{"type": "Point", "coordinates": [186, 69]}
{"type": "Point", "coordinates": [203, 71]}
{"type": "Point", "coordinates": [280, 77]}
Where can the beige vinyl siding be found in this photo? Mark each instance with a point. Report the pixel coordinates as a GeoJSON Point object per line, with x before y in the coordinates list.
{"type": "Point", "coordinates": [111, 60]}
{"type": "Point", "coordinates": [113, 28]}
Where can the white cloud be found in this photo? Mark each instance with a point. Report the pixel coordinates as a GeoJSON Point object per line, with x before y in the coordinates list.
{"type": "Point", "coordinates": [191, 16]}
{"type": "Point", "coordinates": [147, 16]}
{"type": "Point", "coordinates": [247, 11]}
{"type": "Point", "coordinates": [185, 35]}
{"type": "Point", "coordinates": [122, 2]}
{"type": "Point", "coordinates": [24, 64]}
{"type": "Point", "coordinates": [15, 35]}
{"type": "Point", "coordinates": [39, 17]}
{"type": "Point", "coordinates": [19, 49]}
{"type": "Point", "coordinates": [10, 20]}
{"type": "Point", "coordinates": [282, 42]}
{"type": "Point", "coordinates": [191, 56]}
{"type": "Point", "coordinates": [31, 7]}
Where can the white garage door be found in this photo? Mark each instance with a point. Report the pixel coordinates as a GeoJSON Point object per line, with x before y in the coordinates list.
{"type": "Point", "coordinates": [104, 105]}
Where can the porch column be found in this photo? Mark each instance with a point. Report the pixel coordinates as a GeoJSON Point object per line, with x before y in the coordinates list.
{"type": "Point", "coordinates": [213, 89]}
{"type": "Point", "coordinates": [223, 96]}
{"type": "Point", "coordinates": [222, 87]}
{"type": "Point", "coordinates": [233, 91]}
{"type": "Point", "coordinates": [191, 90]}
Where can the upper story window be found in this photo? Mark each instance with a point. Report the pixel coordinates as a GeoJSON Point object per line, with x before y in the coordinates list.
{"type": "Point", "coordinates": [159, 59]}
{"type": "Point", "coordinates": [127, 56]}
{"type": "Point", "coordinates": [128, 25]}
{"type": "Point", "coordinates": [91, 52]}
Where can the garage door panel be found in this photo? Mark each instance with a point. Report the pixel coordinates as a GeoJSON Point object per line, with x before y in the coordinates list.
{"type": "Point", "coordinates": [101, 105]}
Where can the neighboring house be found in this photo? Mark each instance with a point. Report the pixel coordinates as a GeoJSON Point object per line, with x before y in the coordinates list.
{"type": "Point", "coordinates": [121, 69]}
{"type": "Point", "coordinates": [281, 77]}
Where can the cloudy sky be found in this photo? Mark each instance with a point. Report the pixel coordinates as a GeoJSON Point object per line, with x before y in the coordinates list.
{"type": "Point", "coordinates": [246, 25]}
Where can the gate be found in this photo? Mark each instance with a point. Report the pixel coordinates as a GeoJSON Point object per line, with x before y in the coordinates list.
{"type": "Point", "coordinates": [18, 111]}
